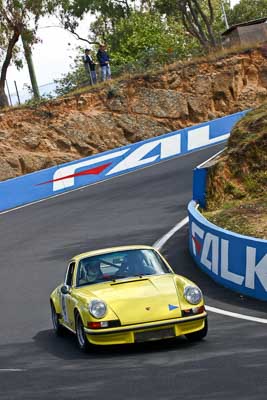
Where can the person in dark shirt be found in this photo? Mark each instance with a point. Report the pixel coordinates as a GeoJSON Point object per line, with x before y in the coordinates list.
{"type": "Point", "coordinates": [103, 59]}
{"type": "Point", "coordinates": [89, 65]}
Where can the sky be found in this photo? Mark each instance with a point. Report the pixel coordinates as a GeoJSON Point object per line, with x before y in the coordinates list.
{"type": "Point", "coordinates": [53, 56]}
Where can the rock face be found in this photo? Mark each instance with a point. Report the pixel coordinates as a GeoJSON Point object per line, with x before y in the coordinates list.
{"type": "Point", "coordinates": [127, 111]}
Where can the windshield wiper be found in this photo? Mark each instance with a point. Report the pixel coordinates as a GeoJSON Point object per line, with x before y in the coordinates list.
{"type": "Point", "coordinates": [129, 278]}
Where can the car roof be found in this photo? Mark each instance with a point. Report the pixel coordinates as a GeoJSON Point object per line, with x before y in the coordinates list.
{"type": "Point", "coordinates": [110, 250]}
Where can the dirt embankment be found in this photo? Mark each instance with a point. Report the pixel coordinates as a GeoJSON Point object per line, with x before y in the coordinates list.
{"type": "Point", "coordinates": [129, 110]}
{"type": "Point", "coordinates": [237, 182]}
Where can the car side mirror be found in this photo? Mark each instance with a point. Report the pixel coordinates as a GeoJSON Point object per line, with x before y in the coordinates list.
{"type": "Point", "coordinates": [65, 289]}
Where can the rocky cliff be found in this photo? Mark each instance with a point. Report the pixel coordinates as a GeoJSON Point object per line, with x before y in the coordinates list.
{"type": "Point", "coordinates": [129, 110]}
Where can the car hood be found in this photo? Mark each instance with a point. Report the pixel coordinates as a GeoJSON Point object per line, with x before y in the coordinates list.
{"type": "Point", "coordinates": [137, 300]}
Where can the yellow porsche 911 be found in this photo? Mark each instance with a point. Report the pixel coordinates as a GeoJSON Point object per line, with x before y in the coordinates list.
{"type": "Point", "coordinates": [125, 295]}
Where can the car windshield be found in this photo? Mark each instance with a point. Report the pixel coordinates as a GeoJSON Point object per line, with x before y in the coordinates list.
{"type": "Point", "coordinates": [120, 265]}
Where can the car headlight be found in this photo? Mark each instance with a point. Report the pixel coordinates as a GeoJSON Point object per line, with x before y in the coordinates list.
{"type": "Point", "coordinates": [192, 294]}
{"type": "Point", "coordinates": [97, 308]}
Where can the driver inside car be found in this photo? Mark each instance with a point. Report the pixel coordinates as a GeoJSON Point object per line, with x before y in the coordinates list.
{"type": "Point", "coordinates": [134, 264]}
{"type": "Point", "coordinates": [90, 272]}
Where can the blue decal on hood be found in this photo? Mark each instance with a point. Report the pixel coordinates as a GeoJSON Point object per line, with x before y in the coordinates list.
{"type": "Point", "coordinates": [172, 307]}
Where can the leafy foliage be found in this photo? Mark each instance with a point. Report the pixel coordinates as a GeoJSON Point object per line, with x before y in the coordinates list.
{"type": "Point", "coordinates": [247, 10]}
{"type": "Point", "coordinates": [141, 34]}
{"type": "Point", "coordinates": [143, 40]}
{"type": "Point", "coordinates": [201, 18]}
{"type": "Point", "coordinates": [138, 33]}
{"type": "Point", "coordinates": [107, 13]}
{"type": "Point", "coordinates": [147, 38]}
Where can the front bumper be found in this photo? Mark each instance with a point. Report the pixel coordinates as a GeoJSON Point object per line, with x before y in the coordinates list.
{"type": "Point", "coordinates": [126, 334]}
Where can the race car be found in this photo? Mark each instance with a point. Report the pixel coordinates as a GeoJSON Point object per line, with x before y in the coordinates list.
{"type": "Point", "coordinates": [125, 295]}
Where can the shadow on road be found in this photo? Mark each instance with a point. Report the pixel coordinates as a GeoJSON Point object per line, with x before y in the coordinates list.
{"type": "Point", "coordinates": [66, 348]}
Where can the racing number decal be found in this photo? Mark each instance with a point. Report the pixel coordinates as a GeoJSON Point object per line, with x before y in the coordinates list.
{"type": "Point", "coordinates": [64, 307]}
{"type": "Point", "coordinates": [66, 297]}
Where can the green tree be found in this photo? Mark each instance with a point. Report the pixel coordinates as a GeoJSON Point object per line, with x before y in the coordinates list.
{"type": "Point", "coordinates": [202, 19]}
{"type": "Point", "coordinates": [17, 17]}
{"type": "Point", "coordinates": [135, 43]}
{"type": "Point", "coordinates": [146, 37]}
{"type": "Point", "coordinates": [107, 13]}
{"type": "Point", "coordinates": [247, 10]}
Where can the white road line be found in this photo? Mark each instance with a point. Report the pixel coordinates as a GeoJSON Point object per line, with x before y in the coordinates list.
{"type": "Point", "coordinates": [209, 159]}
{"type": "Point", "coordinates": [162, 241]}
{"type": "Point", "coordinates": [11, 370]}
{"type": "Point", "coordinates": [236, 315]}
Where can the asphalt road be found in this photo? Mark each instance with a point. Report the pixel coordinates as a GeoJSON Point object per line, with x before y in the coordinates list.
{"type": "Point", "coordinates": [138, 208]}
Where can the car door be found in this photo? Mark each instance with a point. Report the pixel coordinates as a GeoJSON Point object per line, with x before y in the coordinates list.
{"type": "Point", "coordinates": [66, 298]}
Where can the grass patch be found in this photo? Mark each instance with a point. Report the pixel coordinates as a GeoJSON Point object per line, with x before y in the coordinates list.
{"type": "Point", "coordinates": [248, 219]}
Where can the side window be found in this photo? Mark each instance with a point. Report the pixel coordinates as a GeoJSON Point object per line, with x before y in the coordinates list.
{"type": "Point", "coordinates": [69, 274]}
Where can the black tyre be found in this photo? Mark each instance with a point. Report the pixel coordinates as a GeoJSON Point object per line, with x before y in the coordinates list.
{"type": "Point", "coordinates": [199, 335]}
{"type": "Point", "coordinates": [82, 340]}
{"type": "Point", "coordinates": [58, 328]}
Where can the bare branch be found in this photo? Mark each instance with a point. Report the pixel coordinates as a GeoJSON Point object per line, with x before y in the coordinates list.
{"type": "Point", "coordinates": [78, 37]}
{"type": "Point", "coordinates": [191, 29]}
{"type": "Point", "coordinates": [196, 20]}
{"type": "Point", "coordinates": [206, 21]}
{"type": "Point", "coordinates": [11, 45]}
{"type": "Point", "coordinates": [211, 12]}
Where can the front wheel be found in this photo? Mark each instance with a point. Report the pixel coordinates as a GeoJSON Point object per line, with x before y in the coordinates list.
{"type": "Point", "coordinates": [199, 335]}
{"type": "Point", "coordinates": [80, 334]}
{"type": "Point", "coordinates": [58, 328]}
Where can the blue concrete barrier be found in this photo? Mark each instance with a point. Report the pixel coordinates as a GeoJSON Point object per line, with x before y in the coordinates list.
{"type": "Point", "coordinates": [62, 178]}
{"type": "Point", "coordinates": [235, 261]}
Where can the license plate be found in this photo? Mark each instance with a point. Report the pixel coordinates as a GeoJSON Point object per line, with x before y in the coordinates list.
{"type": "Point", "coordinates": [154, 335]}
